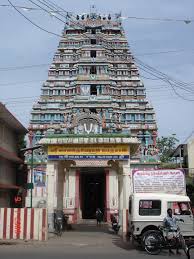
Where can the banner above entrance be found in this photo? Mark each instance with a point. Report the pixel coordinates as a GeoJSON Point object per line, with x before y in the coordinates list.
{"type": "Point", "coordinates": [96, 151]}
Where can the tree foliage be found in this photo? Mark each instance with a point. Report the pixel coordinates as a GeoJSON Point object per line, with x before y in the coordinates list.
{"type": "Point", "coordinates": [166, 146]}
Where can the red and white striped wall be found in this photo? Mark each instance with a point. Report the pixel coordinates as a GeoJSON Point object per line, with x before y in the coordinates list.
{"type": "Point", "coordinates": [23, 223]}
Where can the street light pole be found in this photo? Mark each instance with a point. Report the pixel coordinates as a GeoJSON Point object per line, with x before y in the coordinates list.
{"type": "Point", "coordinates": [31, 167]}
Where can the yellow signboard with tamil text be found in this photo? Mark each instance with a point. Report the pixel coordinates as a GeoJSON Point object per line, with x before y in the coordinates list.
{"type": "Point", "coordinates": [88, 151]}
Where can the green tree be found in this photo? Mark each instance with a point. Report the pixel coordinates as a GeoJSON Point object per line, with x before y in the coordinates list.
{"type": "Point", "coordinates": [166, 146]}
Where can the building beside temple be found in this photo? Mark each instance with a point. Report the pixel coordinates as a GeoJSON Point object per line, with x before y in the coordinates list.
{"type": "Point", "coordinates": [93, 120]}
{"type": "Point", "coordinates": [12, 174]}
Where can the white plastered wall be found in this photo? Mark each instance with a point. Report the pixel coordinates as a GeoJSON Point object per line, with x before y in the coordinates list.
{"type": "Point", "coordinates": [113, 190]}
{"type": "Point", "coordinates": [69, 189]}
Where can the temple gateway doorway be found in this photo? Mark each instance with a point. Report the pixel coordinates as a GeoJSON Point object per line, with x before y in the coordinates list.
{"type": "Point", "coordinates": [93, 191]}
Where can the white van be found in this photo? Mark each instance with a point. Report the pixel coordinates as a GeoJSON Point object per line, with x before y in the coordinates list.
{"type": "Point", "coordinates": [148, 210]}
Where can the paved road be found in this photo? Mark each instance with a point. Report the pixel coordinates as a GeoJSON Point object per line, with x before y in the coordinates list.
{"type": "Point", "coordinates": [91, 243]}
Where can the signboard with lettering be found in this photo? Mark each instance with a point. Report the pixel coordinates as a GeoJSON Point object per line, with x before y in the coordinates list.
{"type": "Point", "coordinates": [39, 176]}
{"type": "Point", "coordinates": [17, 201]}
{"type": "Point", "coordinates": [159, 181]}
{"type": "Point", "coordinates": [100, 151]}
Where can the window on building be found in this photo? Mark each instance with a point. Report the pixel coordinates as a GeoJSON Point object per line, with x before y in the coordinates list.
{"type": "Point", "coordinates": [93, 41]}
{"type": "Point", "coordinates": [93, 90]}
{"type": "Point", "coordinates": [93, 53]}
{"type": "Point", "coordinates": [93, 31]}
{"type": "Point", "coordinates": [93, 70]}
{"type": "Point", "coordinates": [149, 207]}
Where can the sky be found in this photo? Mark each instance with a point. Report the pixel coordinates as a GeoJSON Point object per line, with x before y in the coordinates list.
{"type": "Point", "coordinates": [23, 44]}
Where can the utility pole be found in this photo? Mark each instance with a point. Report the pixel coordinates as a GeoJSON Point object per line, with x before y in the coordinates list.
{"type": "Point", "coordinates": [31, 168]}
{"type": "Point", "coordinates": [180, 155]}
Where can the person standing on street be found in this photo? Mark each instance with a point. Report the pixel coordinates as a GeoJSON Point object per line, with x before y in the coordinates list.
{"type": "Point", "coordinates": [170, 224]}
{"type": "Point", "coordinates": [99, 216]}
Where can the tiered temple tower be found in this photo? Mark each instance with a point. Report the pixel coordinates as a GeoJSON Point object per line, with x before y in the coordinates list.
{"type": "Point", "coordinates": [93, 86]}
{"type": "Point", "coordinates": [91, 117]}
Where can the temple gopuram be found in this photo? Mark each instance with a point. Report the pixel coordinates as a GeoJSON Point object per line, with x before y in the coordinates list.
{"type": "Point", "coordinates": [93, 122]}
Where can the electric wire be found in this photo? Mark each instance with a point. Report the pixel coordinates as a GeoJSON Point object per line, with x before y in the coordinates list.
{"type": "Point", "coordinates": [3, 69]}
{"type": "Point", "coordinates": [64, 11]}
{"type": "Point", "coordinates": [181, 84]}
{"type": "Point", "coordinates": [186, 20]}
{"type": "Point", "coordinates": [33, 23]}
{"type": "Point", "coordinates": [21, 82]}
{"type": "Point", "coordinates": [173, 86]}
{"type": "Point", "coordinates": [163, 52]}
{"type": "Point", "coordinates": [167, 81]}
{"type": "Point", "coordinates": [158, 77]}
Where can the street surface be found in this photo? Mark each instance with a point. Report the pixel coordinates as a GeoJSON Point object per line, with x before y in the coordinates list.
{"type": "Point", "coordinates": [85, 242]}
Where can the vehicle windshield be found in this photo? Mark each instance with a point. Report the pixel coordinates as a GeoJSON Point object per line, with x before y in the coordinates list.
{"type": "Point", "coordinates": [180, 208]}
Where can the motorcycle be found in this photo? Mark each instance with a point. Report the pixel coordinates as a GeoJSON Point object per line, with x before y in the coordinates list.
{"type": "Point", "coordinates": [58, 222]}
{"type": "Point", "coordinates": [115, 224]}
{"type": "Point", "coordinates": [155, 241]}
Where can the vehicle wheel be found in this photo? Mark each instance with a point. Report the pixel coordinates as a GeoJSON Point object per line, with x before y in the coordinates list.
{"type": "Point", "coordinates": [142, 240]}
{"type": "Point", "coordinates": [152, 242]}
{"type": "Point", "coordinates": [189, 249]}
{"type": "Point", "coordinates": [58, 229]}
{"type": "Point", "coordinates": [184, 245]}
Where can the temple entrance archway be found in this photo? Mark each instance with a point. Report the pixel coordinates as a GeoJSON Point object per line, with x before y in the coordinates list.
{"type": "Point", "coordinates": [93, 191]}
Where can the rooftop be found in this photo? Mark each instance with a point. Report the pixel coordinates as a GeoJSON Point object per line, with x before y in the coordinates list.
{"type": "Point", "coordinates": [9, 119]}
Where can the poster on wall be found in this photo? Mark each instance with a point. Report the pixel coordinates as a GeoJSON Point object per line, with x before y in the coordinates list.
{"type": "Point", "coordinates": [159, 181]}
{"type": "Point", "coordinates": [40, 176]}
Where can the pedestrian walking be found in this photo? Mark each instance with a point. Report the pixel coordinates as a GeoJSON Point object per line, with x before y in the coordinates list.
{"type": "Point", "coordinates": [99, 216]}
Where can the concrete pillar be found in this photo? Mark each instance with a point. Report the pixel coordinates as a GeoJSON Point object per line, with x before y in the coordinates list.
{"type": "Point", "coordinates": [51, 173]}
{"type": "Point", "coordinates": [60, 186]}
{"type": "Point", "coordinates": [107, 205]}
{"type": "Point", "coordinates": [126, 190]}
{"type": "Point", "coordinates": [113, 191]}
{"type": "Point", "coordinates": [77, 195]}
{"type": "Point", "coordinates": [69, 199]}
{"type": "Point", "coordinates": [120, 196]}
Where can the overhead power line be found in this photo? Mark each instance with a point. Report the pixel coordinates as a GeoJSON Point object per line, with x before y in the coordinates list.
{"type": "Point", "coordinates": [21, 82]}
{"type": "Point", "coordinates": [163, 52]}
{"type": "Point", "coordinates": [20, 98]}
{"type": "Point", "coordinates": [25, 8]}
{"type": "Point", "coordinates": [173, 83]}
{"type": "Point", "coordinates": [185, 20]}
{"type": "Point", "coordinates": [33, 23]}
{"type": "Point", "coordinates": [22, 67]}
{"type": "Point", "coordinates": [4, 69]}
